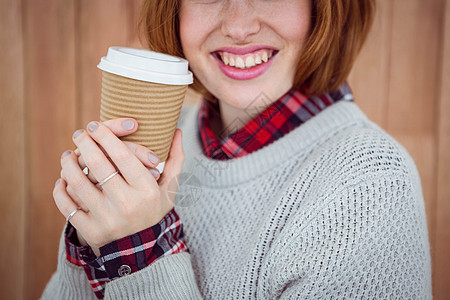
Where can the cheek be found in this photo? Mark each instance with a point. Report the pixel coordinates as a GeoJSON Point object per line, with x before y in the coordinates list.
{"type": "Point", "coordinates": [186, 34]}
{"type": "Point", "coordinates": [295, 26]}
{"type": "Point", "coordinates": [193, 29]}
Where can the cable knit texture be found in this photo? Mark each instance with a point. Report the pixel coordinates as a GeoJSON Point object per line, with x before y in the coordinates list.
{"type": "Point", "coordinates": [334, 209]}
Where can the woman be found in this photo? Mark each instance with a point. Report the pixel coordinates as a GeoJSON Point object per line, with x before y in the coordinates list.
{"type": "Point", "coordinates": [296, 193]}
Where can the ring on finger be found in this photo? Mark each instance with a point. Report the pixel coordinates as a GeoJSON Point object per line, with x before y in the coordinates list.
{"type": "Point", "coordinates": [108, 178]}
{"type": "Point", "coordinates": [86, 171]}
{"type": "Point", "coordinates": [72, 214]}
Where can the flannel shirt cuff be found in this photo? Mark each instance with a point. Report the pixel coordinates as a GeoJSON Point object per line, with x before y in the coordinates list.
{"type": "Point", "coordinates": [73, 246]}
{"type": "Point", "coordinates": [129, 254]}
{"type": "Point", "coordinates": [74, 252]}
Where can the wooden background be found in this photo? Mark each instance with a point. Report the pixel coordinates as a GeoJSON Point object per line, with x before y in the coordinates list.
{"type": "Point", "coordinates": [49, 87]}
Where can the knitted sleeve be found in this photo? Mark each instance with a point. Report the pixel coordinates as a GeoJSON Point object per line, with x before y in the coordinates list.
{"type": "Point", "coordinates": [127, 255]}
{"type": "Point", "coordinates": [167, 277]}
{"type": "Point", "coordinates": [368, 242]}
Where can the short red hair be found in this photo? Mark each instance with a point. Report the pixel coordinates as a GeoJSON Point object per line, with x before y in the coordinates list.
{"type": "Point", "coordinates": [338, 31]}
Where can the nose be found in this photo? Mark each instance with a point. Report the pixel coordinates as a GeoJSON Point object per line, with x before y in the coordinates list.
{"type": "Point", "coordinates": [240, 20]}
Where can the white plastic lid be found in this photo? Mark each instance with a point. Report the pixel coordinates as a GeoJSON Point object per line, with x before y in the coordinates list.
{"type": "Point", "coordinates": [146, 65]}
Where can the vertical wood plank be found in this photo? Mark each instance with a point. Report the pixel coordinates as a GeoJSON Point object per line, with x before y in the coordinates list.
{"type": "Point", "coordinates": [413, 97]}
{"type": "Point", "coordinates": [49, 43]}
{"type": "Point", "coordinates": [12, 152]}
{"type": "Point", "coordinates": [395, 80]}
{"type": "Point", "coordinates": [369, 78]}
{"type": "Point", "coordinates": [442, 233]}
{"type": "Point", "coordinates": [100, 24]}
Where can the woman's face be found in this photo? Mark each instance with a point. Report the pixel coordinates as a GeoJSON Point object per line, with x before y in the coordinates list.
{"type": "Point", "coordinates": [240, 49]}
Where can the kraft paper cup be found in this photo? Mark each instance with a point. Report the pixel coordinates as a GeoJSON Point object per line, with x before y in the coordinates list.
{"type": "Point", "coordinates": [149, 87]}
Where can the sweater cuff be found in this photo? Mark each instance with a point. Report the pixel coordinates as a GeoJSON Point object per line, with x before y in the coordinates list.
{"type": "Point", "coordinates": [135, 252]}
{"type": "Point", "coordinates": [170, 277]}
{"type": "Point", "coordinates": [127, 255]}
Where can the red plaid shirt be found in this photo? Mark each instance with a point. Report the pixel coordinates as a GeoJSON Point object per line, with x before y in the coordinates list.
{"type": "Point", "coordinates": [127, 255]}
{"type": "Point", "coordinates": [139, 250]}
{"type": "Point", "coordinates": [278, 119]}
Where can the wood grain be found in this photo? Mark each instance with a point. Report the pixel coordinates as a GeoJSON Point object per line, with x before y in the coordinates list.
{"type": "Point", "coordinates": [101, 24]}
{"type": "Point", "coordinates": [413, 95]}
{"type": "Point", "coordinates": [442, 227]}
{"type": "Point", "coordinates": [12, 152]}
{"type": "Point", "coordinates": [50, 86]}
{"type": "Point", "coordinates": [369, 78]}
{"type": "Point", "coordinates": [49, 37]}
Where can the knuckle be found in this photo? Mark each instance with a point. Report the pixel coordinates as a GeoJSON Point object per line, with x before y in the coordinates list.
{"type": "Point", "coordinates": [122, 156]}
{"type": "Point", "coordinates": [134, 148]}
{"type": "Point", "coordinates": [76, 182]}
{"type": "Point", "coordinates": [95, 160]}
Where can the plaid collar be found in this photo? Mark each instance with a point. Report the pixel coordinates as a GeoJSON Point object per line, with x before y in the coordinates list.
{"type": "Point", "coordinates": [281, 117]}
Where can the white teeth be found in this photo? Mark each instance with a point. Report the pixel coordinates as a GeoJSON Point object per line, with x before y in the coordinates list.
{"type": "Point", "coordinates": [249, 62]}
{"type": "Point", "coordinates": [232, 62]}
{"type": "Point", "coordinates": [240, 63]}
{"type": "Point", "coordinates": [265, 57]}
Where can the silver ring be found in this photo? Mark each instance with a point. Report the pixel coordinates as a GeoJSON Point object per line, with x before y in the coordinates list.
{"type": "Point", "coordinates": [86, 171]}
{"type": "Point", "coordinates": [71, 214]}
{"type": "Point", "coordinates": [108, 178]}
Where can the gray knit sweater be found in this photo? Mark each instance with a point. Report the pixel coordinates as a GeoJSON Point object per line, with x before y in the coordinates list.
{"type": "Point", "coordinates": [333, 209]}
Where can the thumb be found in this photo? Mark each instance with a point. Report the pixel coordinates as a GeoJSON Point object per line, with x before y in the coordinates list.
{"type": "Point", "coordinates": [174, 163]}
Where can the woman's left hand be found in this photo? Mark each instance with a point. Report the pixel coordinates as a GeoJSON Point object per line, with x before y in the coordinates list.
{"type": "Point", "coordinates": [129, 202]}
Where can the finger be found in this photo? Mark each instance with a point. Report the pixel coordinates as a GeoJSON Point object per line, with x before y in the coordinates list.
{"type": "Point", "coordinates": [147, 157]}
{"type": "Point", "coordinates": [134, 172]}
{"type": "Point", "coordinates": [174, 163]}
{"type": "Point", "coordinates": [94, 158]}
{"type": "Point", "coordinates": [121, 126]}
{"type": "Point", "coordinates": [155, 173]}
{"type": "Point", "coordinates": [66, 205]}
{"type": "Point", "coordinates": [72, 194]}
{"type": "Point", "coordinates": [85, 169]}
{"type": "Point", "coordinates": [86, 192]}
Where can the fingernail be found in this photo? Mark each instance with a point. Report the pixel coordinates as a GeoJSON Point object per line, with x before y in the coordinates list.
{"type": "Point", "coordinates": [57, 182]}
{"type": "Point", "coordinates": [154, 172]}
{"type": "Point", "coordinates": [77, 133]}
{"type": "Point", "coordinates": [65, 153]}
{"type": "Point", "coordinates": [92, 126]}
{"type": "Point", "coordinates": [128, 124]}
{"type": "Point", "coordinates": [153, 158]}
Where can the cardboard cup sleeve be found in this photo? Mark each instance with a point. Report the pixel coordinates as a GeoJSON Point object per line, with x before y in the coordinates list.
{"type": "Point", "coordinates": [156, 107]}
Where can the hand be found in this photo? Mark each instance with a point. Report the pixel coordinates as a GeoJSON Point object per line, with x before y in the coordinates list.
{"type": "Point", "coordinates": [129, 202]}
{"type": "Point", "coordinates": [122, 127]}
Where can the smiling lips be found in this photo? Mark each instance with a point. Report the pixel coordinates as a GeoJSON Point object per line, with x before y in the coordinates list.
{"type": "Point", "coordinates": [244, 64]}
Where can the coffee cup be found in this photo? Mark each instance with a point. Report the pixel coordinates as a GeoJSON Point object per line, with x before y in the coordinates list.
{"type": "Point", "coordinates": [149, 87]}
